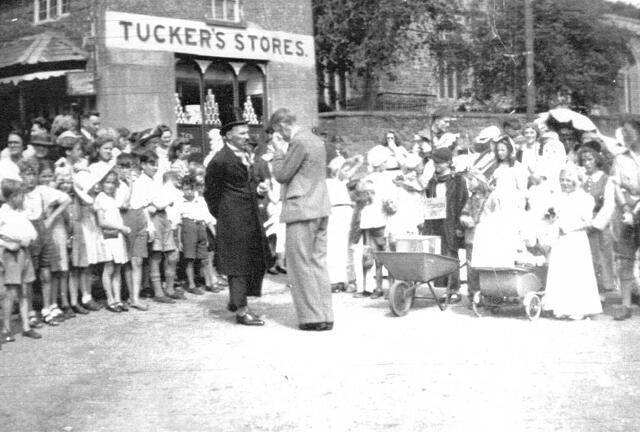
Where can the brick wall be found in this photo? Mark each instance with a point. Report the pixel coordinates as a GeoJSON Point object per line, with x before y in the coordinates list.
{"type": "Point", "coordinates": [17, 18]}
{"type": "Point", "coordinates": [362, 130]}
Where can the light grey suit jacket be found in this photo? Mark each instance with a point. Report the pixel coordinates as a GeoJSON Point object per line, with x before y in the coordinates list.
{"type": "Point", "coordinates": [303, 174]}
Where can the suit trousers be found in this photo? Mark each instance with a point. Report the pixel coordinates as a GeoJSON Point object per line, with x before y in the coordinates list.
{"type": "Point", "coordinates": [306, 254]}
{"type": "Point", "coordinates": [242, 286]}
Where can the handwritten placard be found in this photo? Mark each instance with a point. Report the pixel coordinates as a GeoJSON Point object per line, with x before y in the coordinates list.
{"type": "Point", "coordinates": [436, 208]}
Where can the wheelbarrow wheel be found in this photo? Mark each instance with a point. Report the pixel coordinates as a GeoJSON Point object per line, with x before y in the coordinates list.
{"type": "Point", "coordinates": [401, 298]}
{"type": "Point", "coordinates": [532, 306]}
{"type": "Point", "coordinates": [476, 303]}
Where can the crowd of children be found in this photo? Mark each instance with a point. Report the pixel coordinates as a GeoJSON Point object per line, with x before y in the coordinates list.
{"type": "Point", "coordinates": [126, 219]}
{"type": "Point", "coordinates": [128, 208]}
{"type": "Point", "coordinates": [512, 196]}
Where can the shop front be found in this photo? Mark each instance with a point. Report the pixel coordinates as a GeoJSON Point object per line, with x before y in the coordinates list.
{"type": "Point", "coordinates": [194, 76]}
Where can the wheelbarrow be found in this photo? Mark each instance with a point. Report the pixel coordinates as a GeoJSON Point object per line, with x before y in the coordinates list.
{"type": "Point", "coordinates": [412, 270]}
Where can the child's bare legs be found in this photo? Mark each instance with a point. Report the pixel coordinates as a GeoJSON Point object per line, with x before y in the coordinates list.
{"type": "Point", "coordinates": [154, 274]}
{"type": "Point", "coordinates": [23, 302]}
{"type": "Point", "coordinates": [6, 300]}
{"type": "Point", "coordinates": [61, 278]}
{"type": "Point", "coordinates": [45, 284]}
{"type": "Point", "coordinates": [170, 264]}
{"type": "Point", "coordinates": [116, 283]}
{"type": "Point", "coordinates": [74, 281]}
{"type": "Point", "coordinates": [107, 276]}
{"type": "Point", "coordinates": [128, 278]}
{"type": "Point", "coordinates": [7, 307]}
{"type": "Point", "coordinates": [136, 279]}
{"type": "Point", "coordinates": [84, 278]}
{"type": "Point", "coordinates": [190, 274]}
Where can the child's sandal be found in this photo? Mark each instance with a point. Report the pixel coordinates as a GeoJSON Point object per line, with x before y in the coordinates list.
{"type": "Point", "coordinates": [49, 319]}
{"type": "Point", "coordinates": [34, 322]}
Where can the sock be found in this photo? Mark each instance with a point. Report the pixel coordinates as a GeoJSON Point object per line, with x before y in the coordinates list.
{"type": "Point", "coordinates": [86, 298]}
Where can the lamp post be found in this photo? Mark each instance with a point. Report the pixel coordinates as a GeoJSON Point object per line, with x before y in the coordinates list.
{"type": "Point", "coordinates": [529, 36]}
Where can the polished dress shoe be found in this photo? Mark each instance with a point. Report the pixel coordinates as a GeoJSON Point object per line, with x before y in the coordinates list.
{"type": "Point", "coordinates": [329, 325]}
{"type": "Point", "coordinates": [314, 326]}
{"type": "Point", "coordinates": [273, 271]}
{"type": "Point", "coordinates": [281, 269]}
{"type": "Point", "coordinates": [249, 320]}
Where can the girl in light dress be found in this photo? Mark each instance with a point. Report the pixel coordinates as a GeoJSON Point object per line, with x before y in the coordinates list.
{"type": "Point", "coordinates": [179, 157]}
{"type": "Point", "coordinates": [113, 231]}
{"type": "Point", "coordinates": [497, 235]}
{"type": "Point", "coordinates": [104, 160]}
{"type": "Point", "coordinates": [61, 231]}
{"type": "Point", "coordinates": [572, 290]}
{"type": "Point", "coordinates": [87, 245]}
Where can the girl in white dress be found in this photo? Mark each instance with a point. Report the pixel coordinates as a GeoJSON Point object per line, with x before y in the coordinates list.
{"type": "Point", "coordinates": [113, 231]}
{"type": "Point", "coordinates": [572, 290]}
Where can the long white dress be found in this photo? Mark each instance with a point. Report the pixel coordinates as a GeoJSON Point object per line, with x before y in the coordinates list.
{"type": "Point", "coordinates": [497, 235]}
{"type": "Point", "coordinates": [572, 289]}
{"type": "Point", "coordinates": [338, 231]}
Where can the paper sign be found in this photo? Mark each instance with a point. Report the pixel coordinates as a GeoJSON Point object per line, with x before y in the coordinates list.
{"type": "Point", "coordinates": [436, 208]}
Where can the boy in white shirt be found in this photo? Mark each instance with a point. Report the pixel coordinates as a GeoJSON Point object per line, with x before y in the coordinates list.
{"type": "Point", "coordinates": [195, 220]}
{"type": "Point", "coordinates": [42, 205]}
{"type": "Point", "coordinates": [16, 234]}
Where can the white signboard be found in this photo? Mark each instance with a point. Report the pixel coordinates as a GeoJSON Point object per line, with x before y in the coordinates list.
{"type": "Point", "coordinates": [150, 33]}
{"type": "Point", "coordinates": [436, 208]}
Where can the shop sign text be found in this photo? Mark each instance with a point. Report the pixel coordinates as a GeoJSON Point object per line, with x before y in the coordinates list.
{"type": "Point", "coordinates": [149, 33]}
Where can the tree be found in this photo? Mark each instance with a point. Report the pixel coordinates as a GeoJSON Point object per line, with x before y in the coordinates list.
{"type": "Point", "coordinates": [576, 52]}
{"type": "Point", "coordinates": [365, 37]}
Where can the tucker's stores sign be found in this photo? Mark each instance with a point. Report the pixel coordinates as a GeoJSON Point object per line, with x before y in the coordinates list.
{"type": "Point", "coordinates": [149, 33]}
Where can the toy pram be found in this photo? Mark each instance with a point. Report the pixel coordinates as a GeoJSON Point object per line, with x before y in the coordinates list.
{"type": "Point", "coordinates": [509, 286]}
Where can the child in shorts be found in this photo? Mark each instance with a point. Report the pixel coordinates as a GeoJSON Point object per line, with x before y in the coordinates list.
{"type": "Point", "coordinates": [43, 205]}
{"type": "Point", "coordinates": [16, 234]}
{"type": "Point", "coordinates": [193, 235]}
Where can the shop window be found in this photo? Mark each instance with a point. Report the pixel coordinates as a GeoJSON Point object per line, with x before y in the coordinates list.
{"type": "Point", "coordinates": [226, 10]}
{"type": "Point", "coordinates": [49, 10]}
{"type": "Point", "coordinates": [251, 90]}
{"type": "Point", "coordinates": [209, 91]}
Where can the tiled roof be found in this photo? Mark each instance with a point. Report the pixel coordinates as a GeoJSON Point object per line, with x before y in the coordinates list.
{"type": "Point", "coordinates": [47, 47]}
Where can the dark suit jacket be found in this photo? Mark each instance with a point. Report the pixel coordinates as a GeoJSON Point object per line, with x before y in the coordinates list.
{"type": "Point", "coordinates": [303, 174]}
{"type": "Point", "coordinates": [457, 196]}
{"type": "Point", "coordinates": [230, 192]}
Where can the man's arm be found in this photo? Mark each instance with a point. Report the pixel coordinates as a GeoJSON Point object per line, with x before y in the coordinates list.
{"type": "Point", "coordinates": [285, 166]}
{"type": "Point", "coordinates": [213, 187]}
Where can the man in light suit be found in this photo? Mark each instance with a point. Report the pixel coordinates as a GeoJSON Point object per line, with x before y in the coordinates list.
{"type": "Point", "coordinates": [302, 170]}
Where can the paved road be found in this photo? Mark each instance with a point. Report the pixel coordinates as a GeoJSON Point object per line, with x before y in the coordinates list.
{"type": "Point", "coordinates": [188, 367]}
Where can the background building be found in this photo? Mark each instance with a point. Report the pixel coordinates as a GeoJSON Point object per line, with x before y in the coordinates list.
{"type": "Point", "coordinates": [187, 63]}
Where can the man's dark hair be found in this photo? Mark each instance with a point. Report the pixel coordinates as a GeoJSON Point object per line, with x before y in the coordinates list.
{"type": "Point", "coordinates": [512, 123]}
{"type": "Point", "coordinates": [148, 156]}
{"type": "Point", "coordinates": [90, 113]}
{"type": "Point", "coordinates": [189, 181]}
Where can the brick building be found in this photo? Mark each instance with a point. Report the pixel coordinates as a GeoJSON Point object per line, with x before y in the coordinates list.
{"type": "Point", "coordinates": [187, 63]}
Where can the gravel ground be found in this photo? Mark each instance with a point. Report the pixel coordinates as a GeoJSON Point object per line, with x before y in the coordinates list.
{"type": "Point", "coordinates": [189, 367]}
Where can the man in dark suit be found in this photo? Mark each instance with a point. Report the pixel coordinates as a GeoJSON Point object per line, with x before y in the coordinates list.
{"type": "Point", "coordinates": [241, 247]}
{"type": "Point", "coordinates": [302, 169]}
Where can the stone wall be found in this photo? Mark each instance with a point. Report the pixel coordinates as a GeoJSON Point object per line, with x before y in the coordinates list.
{"type": "Point", "coordinates": [362, 130]}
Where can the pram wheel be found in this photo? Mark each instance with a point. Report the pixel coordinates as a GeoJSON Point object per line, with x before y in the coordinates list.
{"type": "Point", "coordinates": [532, 305]}
{"type": "Point", "coordinates": [476, 303]}
{"type": "Point", "coordinates": [401, 297]}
